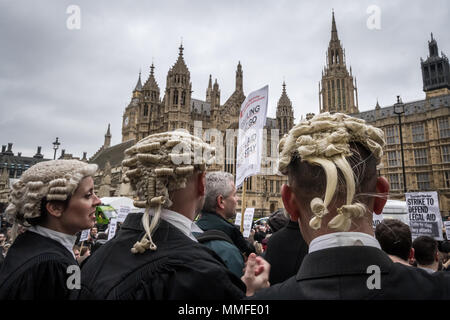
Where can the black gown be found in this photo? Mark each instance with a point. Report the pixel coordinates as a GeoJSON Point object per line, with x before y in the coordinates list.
{"type": "Point", "coordinates": [35, 268]}
{"type": "Point", "coordinates": [180, 268]}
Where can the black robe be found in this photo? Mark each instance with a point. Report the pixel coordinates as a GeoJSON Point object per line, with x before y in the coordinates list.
{"type": "Point", "coordinates": [285, 251]}
{"type": "Point", "coordinates": [35, 268]}
{"type": "Point", "coordinates": [180, 268]}
{"type": "Point", "coordinates": [351, 272]}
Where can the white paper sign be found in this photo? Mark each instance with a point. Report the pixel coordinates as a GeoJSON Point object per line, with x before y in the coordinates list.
{"type": "Point", "coordinates": [248, 220]}
{"type": "Point", "coordinates": [123, 213]}
{"type": "Point", "coordinates": [85, 235]}
{"type": "Point", "coordinates": [112, 228]}
{"type": "Point", "coordinates": [447, 229]}
{"type": "Point", "coordinates": [424, 214]}
{"type": "Point", "coordinates": [252, 119]}
{"type": "Point", "coordinates": [377, 219]}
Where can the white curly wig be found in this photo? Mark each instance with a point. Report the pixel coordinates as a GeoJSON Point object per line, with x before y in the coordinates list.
{"type": "Point", "coordinates": [157, 165]}
{"type": "Point", "coordinates": [54, 180]}
{"type": "Point", "coordinates": [325, 140]}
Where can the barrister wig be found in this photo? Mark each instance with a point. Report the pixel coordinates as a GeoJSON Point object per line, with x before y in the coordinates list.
{"type": "Point", "coordinates": [325, 141]}
{"type": "Point", "coordinates": [156, 166]}
{"type": "Point", "coordinates": [54, 180]}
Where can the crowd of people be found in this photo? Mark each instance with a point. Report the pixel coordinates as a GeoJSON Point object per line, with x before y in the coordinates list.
{"type": "Point", "coordinates": [181, 243]}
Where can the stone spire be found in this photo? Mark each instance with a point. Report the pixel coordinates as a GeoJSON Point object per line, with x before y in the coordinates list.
{"type": "Point", "coordinates": [285, 113]}
{"type": "Point", "coordinates": [239, 78]}
{"type": "Point", "coordinates": [108, 136]}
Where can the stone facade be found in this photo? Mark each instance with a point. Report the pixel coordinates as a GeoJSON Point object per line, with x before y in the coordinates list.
{"type": "Point", "coordinates": [216, 123]}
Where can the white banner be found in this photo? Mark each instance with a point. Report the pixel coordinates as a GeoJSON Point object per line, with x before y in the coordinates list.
{"type": "Point", "coordinates": [248, 220]}
{"type": "Point", "coordinates": [424, 214]}
{"type": "Point", "coordinates": [112, 228]}
{"type": "Point", "coordinates": [85, 235]}
{"type": "Point", "coordinates": [447, 229]}
{"type": "Point", "coordinates": [252, 119]}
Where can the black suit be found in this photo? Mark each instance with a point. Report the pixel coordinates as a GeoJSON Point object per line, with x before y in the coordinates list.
{"type": "Point", "coordinates": [285, 252]}
{"type": "Point", "coordinates": [342, 273]}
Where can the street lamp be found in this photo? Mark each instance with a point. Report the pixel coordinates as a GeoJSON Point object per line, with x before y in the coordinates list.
{"type": "Point", "coordinates": [55, 147]}
{"type": "Point", "coordinates": [399, 109]}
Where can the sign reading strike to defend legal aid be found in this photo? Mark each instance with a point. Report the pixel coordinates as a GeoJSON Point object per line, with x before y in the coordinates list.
{"type": "Point", "coordinates": [252, 119]}
{"type": "Point", "coordinates": [424, 214]}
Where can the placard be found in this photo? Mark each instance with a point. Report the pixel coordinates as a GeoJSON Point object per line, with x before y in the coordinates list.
{"type": "Point", "coordinates": [424, 214]}
{"type": "Point", "coordinates": [248, 221]}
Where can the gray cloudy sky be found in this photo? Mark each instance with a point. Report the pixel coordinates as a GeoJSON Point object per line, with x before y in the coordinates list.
{"type": "Point", "coordinates": [71, 83]}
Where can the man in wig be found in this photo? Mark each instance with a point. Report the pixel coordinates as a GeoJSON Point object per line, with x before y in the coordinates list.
{"type": "Point", "coordinates": [333, 190]}
{"type": "Point", "coordinates": [155, 255]}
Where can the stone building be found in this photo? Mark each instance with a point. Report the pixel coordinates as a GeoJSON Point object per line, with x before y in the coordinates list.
{"type": "Point", "coordinates": [425, 125]}
{"type": "Point", "coordinates": [216, 123]}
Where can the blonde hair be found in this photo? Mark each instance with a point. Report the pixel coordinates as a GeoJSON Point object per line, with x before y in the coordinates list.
{"type": "Point", "coordinates": [157, 165]}
{"type": "Point", "coordinates": [325, 141]}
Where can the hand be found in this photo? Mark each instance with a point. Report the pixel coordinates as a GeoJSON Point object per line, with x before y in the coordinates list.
{"type": "Point", "coordinates": [256, 275]}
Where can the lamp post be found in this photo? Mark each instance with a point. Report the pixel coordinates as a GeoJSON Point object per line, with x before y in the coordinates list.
{"type": "Point", "coordinates": [399, 109]}
{"type": "Point", "coordinates": [55, 147]}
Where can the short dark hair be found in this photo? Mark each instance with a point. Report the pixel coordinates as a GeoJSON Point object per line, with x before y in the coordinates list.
{"type": "Point", "coordinates": [394, 237]}
{"type": "Point", "coordinates": [425, 249]}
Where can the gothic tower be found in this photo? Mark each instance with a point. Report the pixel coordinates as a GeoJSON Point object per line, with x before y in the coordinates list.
{"type": "Point", "coordinates": [130, 116]}
{"type": "Point", "coordinates": [285, 113]}
{"type": "Point", "coordinates": [435, 71]}
{"type": "Point", "coordinates": [177, 99]}
{"type": "Point", "coordinates": [149, 115]}
{"type": "Point", "coordinates": [337, 92]}
{"type": "Point", "coordinates": [108, 136]}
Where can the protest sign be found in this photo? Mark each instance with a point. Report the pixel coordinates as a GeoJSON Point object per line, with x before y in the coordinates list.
{"type": "Point", "coordinates": [447, 229]}
{"type": "Point", "coordinates": [123, 213]}
{"type": "Point", "coordinates": [112, 228]}
{"type": "Point", "coordinates": [248, 220]}
{"type": "Point", "coordinates": [252, 119]}
{"type": "Point", "coordinates": [424, 214]}
{"type": "Point", "coordinates": [377, 219]}
{"type": "Point", "coordinates": [85, 235]}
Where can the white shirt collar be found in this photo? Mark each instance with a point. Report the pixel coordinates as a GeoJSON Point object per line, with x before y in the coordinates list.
{"type": "Point", "coordinates": [67, 240]}
{"type": "Point", "coordinates": [429, 270]}
{"type": "Point", "coordinates": [341, 239]}
{"type": "Point", "coordinates": [182, 223]}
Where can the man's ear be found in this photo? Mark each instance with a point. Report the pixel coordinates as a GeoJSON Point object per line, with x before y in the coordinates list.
{"type": "Point", "coordinates": [219, 202]}
{"type": "Point", "coordinates": [201, 183]}
{"type": "Point", "coordinates": [55, 209]}
{"type": "Point", "coordinates": [382, 187]}
{"type": "Point", "coordinates": [289, 201]}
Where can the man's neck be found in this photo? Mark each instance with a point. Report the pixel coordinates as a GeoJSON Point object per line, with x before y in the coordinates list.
{"type": "Point", "coordinates": [187, 209]}
{"type": "Point", "coordinates": [434, 266]}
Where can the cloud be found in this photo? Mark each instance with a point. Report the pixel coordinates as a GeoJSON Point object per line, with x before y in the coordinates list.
{"type": "Point", "coordinates": [72, 83]}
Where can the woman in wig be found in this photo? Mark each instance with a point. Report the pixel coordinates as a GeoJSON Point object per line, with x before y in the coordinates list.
{"type": "Point", "coordinates": [55, 200]}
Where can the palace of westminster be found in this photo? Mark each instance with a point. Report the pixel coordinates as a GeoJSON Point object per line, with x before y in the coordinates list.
{"type": "Point", "coordinates": [424, 133]}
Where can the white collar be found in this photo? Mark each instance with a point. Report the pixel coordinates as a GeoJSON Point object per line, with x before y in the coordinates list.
{"type": "Point", "coordinates": [429, 270]}
{"type": "Point", "coordinates": [67, 240]}
{"type": "Point", "coordinates": [182, 223]}
{"type": "Point", "coordinates": [341, 239]}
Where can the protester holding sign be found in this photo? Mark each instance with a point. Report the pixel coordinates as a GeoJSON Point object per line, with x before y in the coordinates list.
{"type": "Point", "coordinates": [333, 190]}
{"type": "Point", "coordinates": [56, 200]}
{"type": "Point", "coordinates": [155, 255]}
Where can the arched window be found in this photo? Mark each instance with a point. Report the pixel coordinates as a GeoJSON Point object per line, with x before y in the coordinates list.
{"type": "Point", "coordinates": [145, 110]}
{"type": "Point", "coordinates": [175, 97]}
{"type": "Point", "coordinates": [183, 98]}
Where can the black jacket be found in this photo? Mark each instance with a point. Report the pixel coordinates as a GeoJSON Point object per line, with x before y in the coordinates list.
{"type": "Point", "coordinates": [213, 221]}
{"type": "Point", "coordinates": [342, 273]}
{"type": "Point", "coordinates": [285, 252]}
{"type": "Point", "coordinates": [180, 269]}
{"type": "Point", "coordinates": [36, 267]}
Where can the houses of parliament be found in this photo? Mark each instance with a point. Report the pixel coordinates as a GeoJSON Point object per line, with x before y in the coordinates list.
{"type": "Point", "coordinates": [419, 147]}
